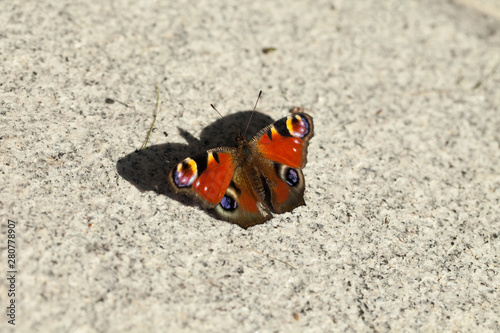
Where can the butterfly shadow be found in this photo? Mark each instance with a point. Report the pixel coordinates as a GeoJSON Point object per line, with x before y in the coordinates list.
{"type": "Point", "coordinates": [147, 169]}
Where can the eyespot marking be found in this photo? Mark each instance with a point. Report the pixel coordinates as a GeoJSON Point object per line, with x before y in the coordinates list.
{"type": "Point", "coordinates": [185, 173]}
{"type": "Point", "coordinates": [291, 177]}
{"type": "Point", "coordinates": [228, 203]}
{"type": "Point", "coordinates": [297, 126]}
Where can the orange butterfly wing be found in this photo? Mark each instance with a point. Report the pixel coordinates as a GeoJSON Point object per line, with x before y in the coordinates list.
{"type": "Point", "coordinates": [283, 145]}
{"type": "Point", "coordinates": [205, 177]}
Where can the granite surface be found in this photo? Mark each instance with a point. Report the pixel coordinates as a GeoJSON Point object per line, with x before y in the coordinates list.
{"type": "Point", "coordinates": [401, 227]}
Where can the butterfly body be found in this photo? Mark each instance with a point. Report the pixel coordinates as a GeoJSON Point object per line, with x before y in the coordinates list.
{"type": "Point", "coordinates": [244, 184]}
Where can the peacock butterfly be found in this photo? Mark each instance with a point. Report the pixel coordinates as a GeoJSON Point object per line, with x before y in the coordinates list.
{"type": "Point", "coordinates": [243, 184]}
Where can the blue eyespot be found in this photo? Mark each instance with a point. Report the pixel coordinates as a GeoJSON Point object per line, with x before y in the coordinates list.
{"type": "Point", "coordinates": [292, 177]}
{"type": "Point", "coordinates": [228, 203]}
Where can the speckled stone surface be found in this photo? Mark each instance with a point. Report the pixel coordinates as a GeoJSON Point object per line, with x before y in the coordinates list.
{"type": "Point", "coordinates": [401, 228]}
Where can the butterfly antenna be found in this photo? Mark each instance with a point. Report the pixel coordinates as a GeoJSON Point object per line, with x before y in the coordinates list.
{"type": "Point", "coordinates": [213, 107]}
{"type": "Point", "coordinates": [253, 111]}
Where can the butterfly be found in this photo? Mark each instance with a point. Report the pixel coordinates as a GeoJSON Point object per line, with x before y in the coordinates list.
{"type": "Point", "coordinates": [246, 183]}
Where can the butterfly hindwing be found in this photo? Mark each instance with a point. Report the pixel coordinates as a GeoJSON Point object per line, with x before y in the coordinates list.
{"type": "Point", "coordinates": [287, 186]}
{"type": "Point", "coordinates": [243, 202]}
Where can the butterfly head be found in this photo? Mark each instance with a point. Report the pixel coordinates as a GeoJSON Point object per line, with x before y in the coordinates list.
{"type": "Point", "coordinates": [240, 139]}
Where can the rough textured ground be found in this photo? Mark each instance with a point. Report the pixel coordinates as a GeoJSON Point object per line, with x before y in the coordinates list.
{"type": "Point", "coordinates": [401, 228]}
